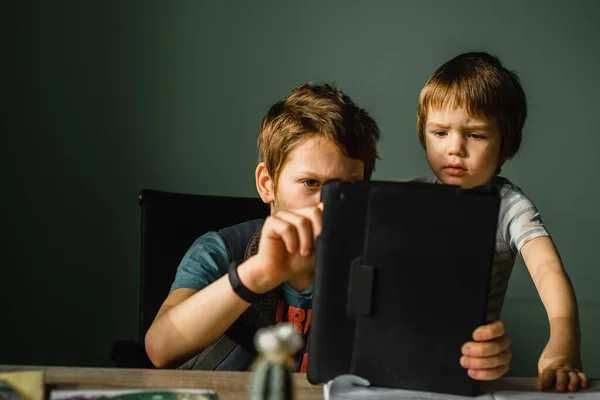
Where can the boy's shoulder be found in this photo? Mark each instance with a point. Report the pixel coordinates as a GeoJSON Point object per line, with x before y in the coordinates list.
{"type": "Point", "coordinates": [209, 256]}
{"type": "Point", "coordinates": [508, 190]}
{"type": "Point", "coordinates": [222, 246]}
{"type": "Point", "coordinates": [237, 237]}
{"type": "Point", "coordinates": [228, 239]}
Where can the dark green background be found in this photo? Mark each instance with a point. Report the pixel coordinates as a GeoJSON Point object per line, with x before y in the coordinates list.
{"type": "Point", "coordinates": [103, 98]}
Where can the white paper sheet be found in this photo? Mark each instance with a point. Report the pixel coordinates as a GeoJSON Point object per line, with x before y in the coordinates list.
{"type": "Point", "coordinates": [350, 387]}
{"type": "Point", "coordinates": [91, 394]}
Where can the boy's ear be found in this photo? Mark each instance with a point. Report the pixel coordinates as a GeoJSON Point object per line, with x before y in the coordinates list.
{"type": "Point", "coordinates": [264, 183]}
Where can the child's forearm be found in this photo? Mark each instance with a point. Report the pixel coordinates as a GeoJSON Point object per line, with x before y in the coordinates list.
{"type": "Point", "coordinates": [556, 291]}
{"type": "Point", "coordinates": [564, 333]}
{"type": "Point", "coordinates": [558, 297]}
{"type": "Point", "coordinates": [191, 325]}
{"type": "Point", "coordinates": [550, 279]}
{"type": "Point", "coordinates": [557, 294]}
{"type": "Point", "coordinates": [194, 323]}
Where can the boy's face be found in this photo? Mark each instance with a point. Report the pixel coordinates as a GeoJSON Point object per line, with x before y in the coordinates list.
{"type": "Point", "coordinates": [461, 150]}
{"type": "Point", "coordinates": [307, 167]}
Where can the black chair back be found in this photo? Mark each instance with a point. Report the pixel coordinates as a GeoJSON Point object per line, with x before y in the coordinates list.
{"type": "Point", "coordinates": [171, 222]}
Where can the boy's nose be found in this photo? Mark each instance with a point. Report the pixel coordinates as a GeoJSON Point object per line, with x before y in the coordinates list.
{"type": "Point", "coordinates": [457, 147]}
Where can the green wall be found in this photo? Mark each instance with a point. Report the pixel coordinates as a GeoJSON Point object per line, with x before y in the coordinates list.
{"type": "Point", "coordinates": [101, 99]}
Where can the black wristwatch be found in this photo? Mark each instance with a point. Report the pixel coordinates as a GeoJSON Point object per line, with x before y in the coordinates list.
{"type": "Point", "coordinates": [238, 287]}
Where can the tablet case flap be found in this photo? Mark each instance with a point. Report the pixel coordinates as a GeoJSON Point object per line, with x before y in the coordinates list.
{"type": "Point", "coordinates": [429, 286]}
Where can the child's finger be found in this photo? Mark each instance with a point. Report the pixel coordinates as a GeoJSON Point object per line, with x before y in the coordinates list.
{"type": "Point", "coordinates": [546, 378]}
{"type": "Point", "coordinates": [303, 227]}
{"type": "Point", "coordinates": [494, 361]}
{"type": "Point", "coordinates": [490, 331]}
{"type": "Point", "coordinates": [488, 374]}
{"type": "Point", "coordinates": [562, 380]}
{"type": "Point", "coordinates": [583, 379]}
{"type": "Point", "coordinates": [573, 381]}
{"type": "Point", "coordinates": [279, 228]}
{"type": "Point", "coordinates": [315, 215]}
{"type": "Point", "coordinates": [486, 349]}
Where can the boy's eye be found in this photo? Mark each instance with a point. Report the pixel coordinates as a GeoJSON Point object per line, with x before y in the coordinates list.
{"type": "Point", "coordinates": [440, 133]}
{"type": "Point", "coordinates": [476, 136]}
{"type": "Point", "coordinates": [312, 183]}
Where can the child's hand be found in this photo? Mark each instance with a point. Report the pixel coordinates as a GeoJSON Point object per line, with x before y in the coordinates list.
{"type": "Point", "coordinates": [488, 356]}
{"type": "Point", "coordinates": [286, 247]}
{"type": "Point", "coordinates": [555, 368]}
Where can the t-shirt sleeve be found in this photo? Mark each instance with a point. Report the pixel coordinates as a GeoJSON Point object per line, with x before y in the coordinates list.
{"type": "Point", "coordinates": [520, 220]}
{"type": "Point", "coordinates": [205, 262]}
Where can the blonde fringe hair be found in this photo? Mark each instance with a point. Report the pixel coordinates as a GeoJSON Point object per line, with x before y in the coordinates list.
{"type": "Point", "coordinates": [478, 82]}
{"type": "Point", "coordinates": [316, 110]}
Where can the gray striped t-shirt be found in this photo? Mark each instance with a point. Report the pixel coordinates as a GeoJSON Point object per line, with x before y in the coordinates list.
{"type": "Point", "coordinates": [518, 223]}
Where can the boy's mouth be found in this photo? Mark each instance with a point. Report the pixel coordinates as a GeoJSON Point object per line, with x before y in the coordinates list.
{"type": "Point", "coordinates": [455, 169]}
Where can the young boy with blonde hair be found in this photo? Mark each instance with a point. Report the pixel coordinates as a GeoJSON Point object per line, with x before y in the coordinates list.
{"type": "Point", "coordinates": [470, 119]}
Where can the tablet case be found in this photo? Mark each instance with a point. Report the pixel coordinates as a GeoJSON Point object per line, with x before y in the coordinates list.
{"type": "Point", "coordinates": [401, 281]}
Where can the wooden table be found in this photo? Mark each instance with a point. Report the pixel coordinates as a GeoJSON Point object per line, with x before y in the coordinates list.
{"type": "Point", "coordinates": [228, 385]}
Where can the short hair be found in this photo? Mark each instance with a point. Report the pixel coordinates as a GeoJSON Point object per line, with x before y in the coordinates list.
{"type": "Point", "coordinates": [479, 82]}
{"type": "Point", "coordinates": [310, 111]}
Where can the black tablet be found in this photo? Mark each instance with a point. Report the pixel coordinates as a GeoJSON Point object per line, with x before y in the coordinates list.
{"type": "Point", "coordinates": [401, 281]}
